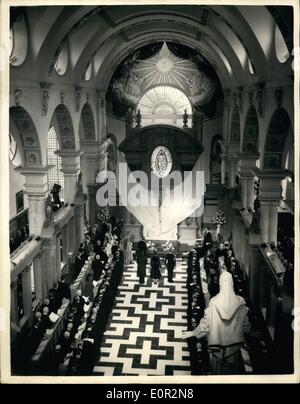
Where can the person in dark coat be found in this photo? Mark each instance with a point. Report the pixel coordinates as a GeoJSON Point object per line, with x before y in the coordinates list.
{"type": "Point", "coordinates": [200, 248]}
{"type": "Point", "coordinates": [155, 273]}
{"type": "Point", "coordinates": [208, 241]}
{"type": "Point", "coordinates": [221, 252]}
{"type": "Point", "coordinates": [63, 290]}
{"type": "Point", "coordinates": [88, 290]}
{"type": "Point", "coordinates": [97, 247]}
{"type": "Point", "coordinates": [141, 266]}
{"type": "Point", "coordinates": [170, 262]}
{"type": "Point", "coordinates": [142, 246]}
{"type": "Point", "coordinates": [46, 322]}
{"type": "Point", "coordinates": [97, 268]}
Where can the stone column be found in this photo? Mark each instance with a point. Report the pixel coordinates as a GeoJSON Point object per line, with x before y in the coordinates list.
{"type": "Point", "coordinates": [247, 163]}
{"type": "Point", "coordinates": [79, 225]}
{"type": "Point", "coordinates": [90, 166]}
{"type": "Point", "coordinates": [101, 114]}
{"type": "Point", "coordinates": [39, 282]}
{"type": "Point", "coordinates": [92, 203]}
{"type": "Point", "coordinates": [250, 192]}
{"type": "Point", "coordinates": [36, 188]}
{"type": "Point", "coordinates": [244, 190]}
{"type": "Point", "coordinates": [27, 295]}
{"type": "Point", "coordinates": [264, 220]}
{"type": "Point", "coordinates": [51, 262]}
{"type": "Point", "coordinates": [269, 196]}
{"type": "Point", "coordinates": [232, 171]}
{"type": "Point", "coordinates": [70, 162]}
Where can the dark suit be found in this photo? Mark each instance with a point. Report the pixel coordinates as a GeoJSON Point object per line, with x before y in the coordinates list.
{"type": "Point", "coordinates": [63, 291]}
{"type": "Point", "coordinates": [170, 262]}
{"type": "Point", "coordinates": [208, 239]}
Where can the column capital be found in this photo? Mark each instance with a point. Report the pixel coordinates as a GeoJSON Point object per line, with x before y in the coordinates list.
{"type": "Point", "coordinates": [270, 188]}
{"type": "Point", "coordinates": [271, 174]}
{"type": "Point", "coordinates": [70, 161]}
{"type": "Point", "coordinates": [91, 148]}
{"type": "Point", "coordinates": [36, 180]}
{"type": "Point", "coordinates": [69, 153]}
{"type": "Point", "coordinates": [247, 162]}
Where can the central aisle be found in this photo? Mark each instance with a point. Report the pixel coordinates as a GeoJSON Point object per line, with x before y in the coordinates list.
{"type": "Point", "coordinates": [143, 335]}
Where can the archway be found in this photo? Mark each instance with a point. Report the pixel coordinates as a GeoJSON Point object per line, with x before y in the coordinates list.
{"type": "Point", "coordinates": [25, 134]}
{"type": "Point", "coordinates": [278, 140]}
{"type": "Point", "coordinates": [87, 124]}
{"type": "Point", "coordinates": [65, 129]}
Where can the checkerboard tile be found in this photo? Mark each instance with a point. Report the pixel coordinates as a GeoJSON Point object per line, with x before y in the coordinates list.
{"type": "Point", "coordinates": [143, 335]}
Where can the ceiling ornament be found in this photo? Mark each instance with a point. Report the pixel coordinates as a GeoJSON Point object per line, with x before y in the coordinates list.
{"type": "Point", "coordinates": [167, 65]}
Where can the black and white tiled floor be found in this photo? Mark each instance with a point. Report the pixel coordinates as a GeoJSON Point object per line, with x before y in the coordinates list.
{"type": "Point", "coordinates": [143, 335]}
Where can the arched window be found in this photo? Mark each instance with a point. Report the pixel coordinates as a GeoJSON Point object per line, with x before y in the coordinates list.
{"type": "Point", "coordinates": [164, 105]}
{"type": "Point", "coordinates": [14, 153]}
{"type": "Point", "coordinates": [55, 175]}
{"type": "Point", "coordinates": [18, 41]}
{"type": "Point", "coordinates": [61, 63]}
{"type": "Point", "coordinates": [281, 49]}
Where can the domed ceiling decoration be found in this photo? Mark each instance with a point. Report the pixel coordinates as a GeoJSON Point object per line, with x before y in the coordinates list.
{"type": "Point", "coordinates": [165, 64]}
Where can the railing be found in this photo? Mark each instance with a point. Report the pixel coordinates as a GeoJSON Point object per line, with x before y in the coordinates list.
{"type": "Point", "coordinates": [80, 281]}
{"type": "Point", "coordinates": [53, 336]}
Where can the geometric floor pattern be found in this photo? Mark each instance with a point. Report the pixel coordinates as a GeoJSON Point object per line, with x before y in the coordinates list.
{"type": "Point", "coordinates": [143, 334]}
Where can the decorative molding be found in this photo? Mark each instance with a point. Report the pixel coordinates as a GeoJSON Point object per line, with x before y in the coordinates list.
{"type": "Point", "coordinates": [62, 97]}
{"type": "Point", "coordinates": [45, 87]}
{"type": "Point", "coordinates": [18, 96]}
{"type": "Point", "coordinates": [278, 93]}
{"type": "Point", "coordinates": [77, 98]}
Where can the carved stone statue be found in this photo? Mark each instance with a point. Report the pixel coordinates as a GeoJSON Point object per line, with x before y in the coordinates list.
{"type": "Point", "coordinates": [48, 209]}
{"type": "Point", "coordinates": [138, 118]}
{"type": "Point", "coordinates": [185, 119]}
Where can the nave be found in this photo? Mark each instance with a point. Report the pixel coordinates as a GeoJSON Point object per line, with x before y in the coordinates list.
{"type": "Point", "coordinates": [161, 90]}
{"type": "Point", "coordinates": [144, 333]}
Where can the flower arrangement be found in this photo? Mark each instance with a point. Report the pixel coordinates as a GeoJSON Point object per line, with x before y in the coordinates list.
{"type": "Point", "coordinates": [103, 215]}
{"type": "Point", "coordinates": [219, 219]}
{"type": "Point", "coordinates": [168, 246]}
{"type": "Point", "coordinates": [150, 246]}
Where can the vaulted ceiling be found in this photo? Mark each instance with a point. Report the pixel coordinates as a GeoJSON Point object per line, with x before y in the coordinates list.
{"type": "Point", "coordinates": [238, 41]}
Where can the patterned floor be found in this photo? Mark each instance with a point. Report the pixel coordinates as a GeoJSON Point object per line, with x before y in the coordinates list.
{"type": "Point", "coordinates": [143, 336]}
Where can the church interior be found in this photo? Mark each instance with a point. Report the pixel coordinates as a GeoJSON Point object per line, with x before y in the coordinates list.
{"type": "Point", "coordinates": [123, 289]}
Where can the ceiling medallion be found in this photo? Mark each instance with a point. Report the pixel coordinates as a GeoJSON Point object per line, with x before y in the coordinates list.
{"type": "Point", "coordinates": [164, 65]}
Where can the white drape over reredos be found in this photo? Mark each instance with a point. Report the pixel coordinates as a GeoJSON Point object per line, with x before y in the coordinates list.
{"type": "Point", "coordinates": [160, 213]}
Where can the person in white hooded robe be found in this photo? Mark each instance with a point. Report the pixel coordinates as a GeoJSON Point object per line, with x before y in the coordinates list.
{"type": "Point", "coordinates": [225, 323]}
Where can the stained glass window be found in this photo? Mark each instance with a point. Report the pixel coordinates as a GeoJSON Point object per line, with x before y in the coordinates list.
{"type": "Point", "coordinates": [161, 161]}
{"type": "Point", "coordinates": [55, 175]}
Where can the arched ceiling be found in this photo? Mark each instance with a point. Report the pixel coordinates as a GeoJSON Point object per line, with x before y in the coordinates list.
{"type": "Point", "coordinates": [227, 36]}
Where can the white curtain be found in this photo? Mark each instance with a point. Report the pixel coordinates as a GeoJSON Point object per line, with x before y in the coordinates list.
{"type": "Point", "coordinates": [186, 199]}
